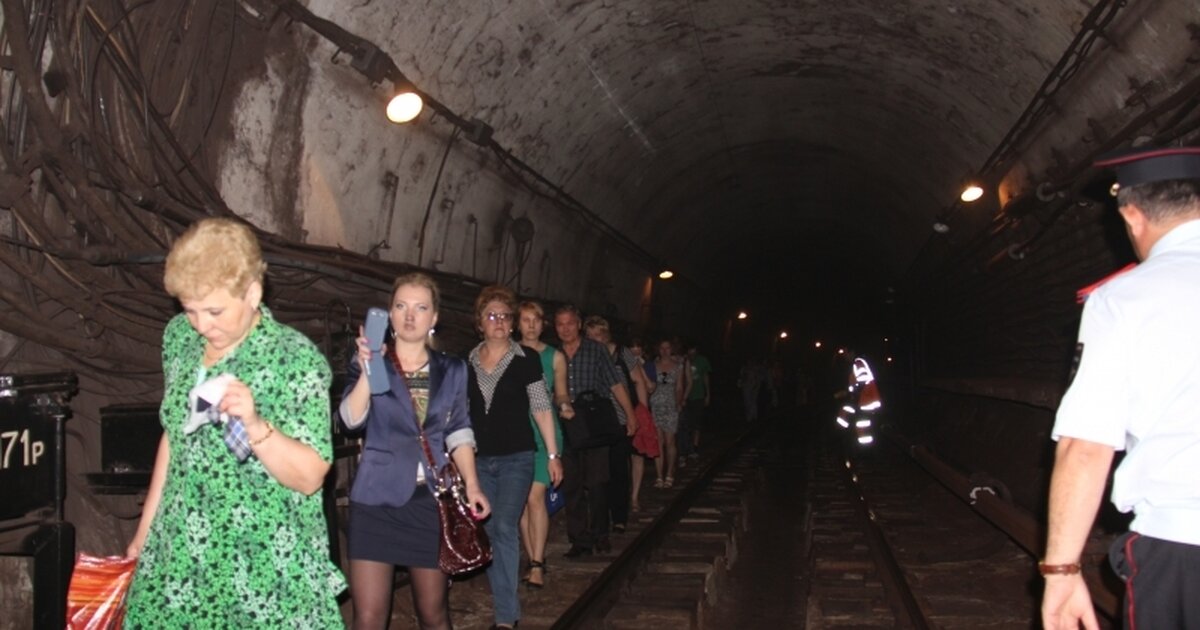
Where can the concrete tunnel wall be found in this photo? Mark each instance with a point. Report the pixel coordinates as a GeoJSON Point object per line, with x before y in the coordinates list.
{"type": "Point", "coordinates": [365, 185]}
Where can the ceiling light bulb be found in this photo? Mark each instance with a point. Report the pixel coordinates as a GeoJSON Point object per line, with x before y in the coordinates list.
{"type": "Point", "coordinates": [971, 193]}
{"type": "Point", "coordinates": [404, 107]}
{"type": "Point", "coordinates": [666, 274]}
{"type": "Point", "coordinates": [742, 315]}
{"type": "Point", "coordinates": [783, 335]}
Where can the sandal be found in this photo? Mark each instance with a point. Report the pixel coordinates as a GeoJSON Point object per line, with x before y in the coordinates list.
{"type": "Point", "coordinates": [535, 564]}
{"type": "Point", "coordinates": [670, 481]}
{"type": "Point", "coordinates": [658, 483]}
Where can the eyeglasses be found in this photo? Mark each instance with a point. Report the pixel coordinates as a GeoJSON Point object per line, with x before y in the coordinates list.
{"type": "Point", "coordinates": [493, 316]}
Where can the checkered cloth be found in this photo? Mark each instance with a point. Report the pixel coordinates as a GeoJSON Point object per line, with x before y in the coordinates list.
{"type": "Point", "coordinates": [237, 440]}
{"type": "Point", "coordinates": [235, 432]}
{"type": "Point", "coordinates": [204, 400]}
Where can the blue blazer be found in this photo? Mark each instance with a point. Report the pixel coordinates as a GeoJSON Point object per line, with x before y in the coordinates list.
{"type": "Point", "coordinates": [387, 472]}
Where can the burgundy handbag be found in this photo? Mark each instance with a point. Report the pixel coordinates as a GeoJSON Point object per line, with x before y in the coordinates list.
{"type": "Point", "coordinates": [464, 543]}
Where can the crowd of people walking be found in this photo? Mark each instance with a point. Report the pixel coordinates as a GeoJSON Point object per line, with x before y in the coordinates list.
{"type": "Point", "coordinates": [516, 416]}
{"type": "Point", "coordinates": [518, 394]}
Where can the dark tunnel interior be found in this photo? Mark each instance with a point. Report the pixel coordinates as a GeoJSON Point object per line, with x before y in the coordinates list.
{"type": "Point", "coordinates": [798, 161]}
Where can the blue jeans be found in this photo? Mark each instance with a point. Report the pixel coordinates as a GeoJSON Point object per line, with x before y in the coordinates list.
{"type": "Point", "coordinates": [505, 480]}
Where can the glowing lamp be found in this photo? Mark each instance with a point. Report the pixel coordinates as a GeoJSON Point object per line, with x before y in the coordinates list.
{"type": "Point", "coordinates": [971, 193]}
{"type": "Point", "coordinates": [404, 107]}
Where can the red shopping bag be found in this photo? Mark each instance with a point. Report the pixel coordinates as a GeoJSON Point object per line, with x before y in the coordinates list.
{"type": "Point", "coordinates": [96, 597]}
{"type": "Point", "coordinates": [645, 441]}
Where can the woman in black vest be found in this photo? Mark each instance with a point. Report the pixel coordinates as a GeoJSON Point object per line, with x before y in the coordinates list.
{"type": "Point", "coordinates": [505, 385]}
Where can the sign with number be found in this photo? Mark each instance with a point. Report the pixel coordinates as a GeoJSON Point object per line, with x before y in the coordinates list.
{"type": "Point", "coordinates": [27, 463]}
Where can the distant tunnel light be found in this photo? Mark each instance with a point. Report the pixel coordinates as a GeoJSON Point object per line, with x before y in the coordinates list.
{"type": "Point", "coordinates": [817, 344]}
{"type": "Point", "coordinates": [841, 351]}
{"type": "Point", "coordinates": [404, 107]}
{"type": "Point", "coordinates": [783, 335]}
{"type": "Point", "coordinates": [972, 192]}
{"type": "Point", "coordinates": [666, 274]}
{"type": "Point", "coordinates": [743, 315]}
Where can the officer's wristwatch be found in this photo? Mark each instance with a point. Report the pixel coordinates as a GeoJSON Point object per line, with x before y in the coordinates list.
{"type": "Point", "coordinates": [554, 456]}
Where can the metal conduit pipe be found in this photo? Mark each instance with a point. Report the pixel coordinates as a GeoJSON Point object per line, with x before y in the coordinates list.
{"type": "Point", "coordinates": [1024, 529]}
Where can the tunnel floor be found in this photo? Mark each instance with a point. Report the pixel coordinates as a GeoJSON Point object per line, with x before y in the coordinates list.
{"type": "Point", "coordinates": [806, 560]}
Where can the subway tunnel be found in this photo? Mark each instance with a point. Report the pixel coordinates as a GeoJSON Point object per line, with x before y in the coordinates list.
{"type": "Point", "coordinates": [798, 161]}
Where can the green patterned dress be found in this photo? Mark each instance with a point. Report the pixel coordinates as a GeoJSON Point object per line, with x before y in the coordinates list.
{"type": "Point", "coordinates": [229, 546]}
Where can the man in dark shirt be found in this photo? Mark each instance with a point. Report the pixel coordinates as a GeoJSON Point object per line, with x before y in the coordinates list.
{"type": "Point", "coordinates": [585, 471]}
{"type": "Point", "coordinates": [620, 453]}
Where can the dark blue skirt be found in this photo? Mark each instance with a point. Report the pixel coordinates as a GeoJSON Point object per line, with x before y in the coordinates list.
{"type": "Point", "coordinates": [407, 536]}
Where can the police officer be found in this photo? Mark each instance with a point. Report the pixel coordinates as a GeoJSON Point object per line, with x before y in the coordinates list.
{"type": "Point", "coordinates": [1137, 388]}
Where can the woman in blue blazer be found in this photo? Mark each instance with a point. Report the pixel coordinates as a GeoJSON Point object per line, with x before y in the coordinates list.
{"type": "Point", "coordinates": [393, 513]}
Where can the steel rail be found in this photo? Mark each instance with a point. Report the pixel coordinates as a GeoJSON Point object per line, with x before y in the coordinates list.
{"type": "Point", "coordinates": [899, 594]}
{"type": "Point", "coordinates": [588, 610]}
{"type": "Point", "coordinates": [1021, 526]}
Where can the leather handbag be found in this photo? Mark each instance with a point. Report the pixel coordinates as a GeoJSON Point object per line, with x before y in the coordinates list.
{"type": "Point", "coordinates": [464, 545]}
{"type": "Point", "coordinates": [595, 423]}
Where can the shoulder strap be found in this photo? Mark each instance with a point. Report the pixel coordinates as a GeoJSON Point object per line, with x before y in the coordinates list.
{"type": "Point", "coordinates": [416, 418]}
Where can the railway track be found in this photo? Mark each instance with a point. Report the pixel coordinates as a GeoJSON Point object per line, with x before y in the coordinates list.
{"type": "Point", "coordinates": [665, 571]}
{"type": "Point", "coordinates": [781, 530]}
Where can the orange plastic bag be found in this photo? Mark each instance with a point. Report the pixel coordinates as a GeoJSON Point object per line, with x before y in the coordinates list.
{"type": "Point", "coordinates": [96, 598]}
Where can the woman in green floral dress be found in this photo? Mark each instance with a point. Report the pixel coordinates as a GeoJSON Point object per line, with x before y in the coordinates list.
{"type": "Point", "coordinates": [225, 543]}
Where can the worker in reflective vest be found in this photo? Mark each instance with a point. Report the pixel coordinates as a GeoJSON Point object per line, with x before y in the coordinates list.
{"type": "Point", "coordinates": [861, 403]}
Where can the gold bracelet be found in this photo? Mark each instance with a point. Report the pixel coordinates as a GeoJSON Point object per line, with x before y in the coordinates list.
{"type": "Point", "coordinates": [1059, 569]}
{"type": "Point", "coordinates": [270, 432]}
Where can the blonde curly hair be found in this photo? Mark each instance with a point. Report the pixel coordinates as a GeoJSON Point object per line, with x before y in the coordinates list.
{"type": "Point", "coordinates": [213, 253]}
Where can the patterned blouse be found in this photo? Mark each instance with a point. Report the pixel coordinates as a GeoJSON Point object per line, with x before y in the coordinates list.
{"type": "Point", "coordinates": [230, 547]}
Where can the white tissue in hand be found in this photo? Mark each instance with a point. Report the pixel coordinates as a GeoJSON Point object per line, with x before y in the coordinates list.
{"type": "Point", "coordinates": [204, 396]}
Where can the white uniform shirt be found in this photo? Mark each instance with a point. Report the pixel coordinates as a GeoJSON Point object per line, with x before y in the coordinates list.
{"type": "Point", "coordinates": [1138, 386]}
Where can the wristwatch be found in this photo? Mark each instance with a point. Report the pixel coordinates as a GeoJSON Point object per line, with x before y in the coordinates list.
{"type": "Point", "coordinates": [554, 456]}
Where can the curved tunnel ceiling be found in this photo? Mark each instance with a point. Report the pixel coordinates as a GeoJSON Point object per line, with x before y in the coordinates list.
{"type": "Point", "coordinates": [714, 133]}
{"type": "Point", "coordinates": [792, 152]}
